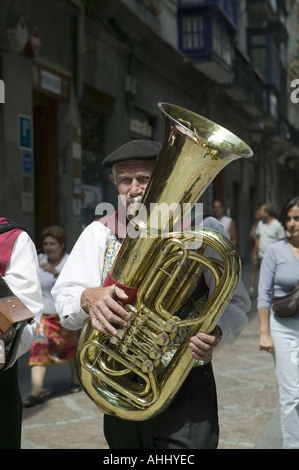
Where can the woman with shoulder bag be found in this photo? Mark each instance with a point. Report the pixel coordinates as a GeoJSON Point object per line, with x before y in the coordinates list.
{"type": "Point", "coordinates": [279, 277]}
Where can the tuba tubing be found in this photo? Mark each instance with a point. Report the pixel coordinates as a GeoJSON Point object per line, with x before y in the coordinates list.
{"type": "Point", "coordinates": [125, 375]}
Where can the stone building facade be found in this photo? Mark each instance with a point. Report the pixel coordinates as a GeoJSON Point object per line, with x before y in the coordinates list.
{"type": "Point", "coordinates": [83, 77]}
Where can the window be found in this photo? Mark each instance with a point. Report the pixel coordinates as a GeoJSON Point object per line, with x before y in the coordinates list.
{"type": "Point", "coordinates": [206, 30]}
{"type": "Point", "coordinates": [222, 43]}
{"type": "Point", "coordinates": [192, 32]}
{"type": "Point", "coordinates": [265, 56]}
{"type": "Point", "coordinates": [259, 60]}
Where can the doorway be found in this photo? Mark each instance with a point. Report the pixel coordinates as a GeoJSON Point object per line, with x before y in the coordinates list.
{"type": "Point", "coordinates": [45, 163]}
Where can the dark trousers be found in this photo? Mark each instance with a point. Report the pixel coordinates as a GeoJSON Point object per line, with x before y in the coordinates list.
{"type": "Point", "coordinates": [189, 422]}
{"type": "Point", "coordinates": [10, 409]}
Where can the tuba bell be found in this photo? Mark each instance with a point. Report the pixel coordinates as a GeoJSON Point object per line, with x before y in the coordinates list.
{"type": "Point", "coordinates": [125, 375]}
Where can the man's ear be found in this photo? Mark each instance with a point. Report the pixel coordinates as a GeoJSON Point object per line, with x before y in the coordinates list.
{"type": "Point", "coordinates": [112, 179]}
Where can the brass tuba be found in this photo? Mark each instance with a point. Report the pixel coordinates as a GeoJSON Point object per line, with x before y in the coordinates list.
{"type": "Point", "coordinates": [159, 267]}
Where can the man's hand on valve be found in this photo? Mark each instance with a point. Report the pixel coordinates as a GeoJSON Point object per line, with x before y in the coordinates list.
{"type": "Point", "coordinates": [103, 304]}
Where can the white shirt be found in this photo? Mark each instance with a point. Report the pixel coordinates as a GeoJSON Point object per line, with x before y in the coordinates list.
{"type": "Point", "coordinates": [84, 269]}
{"type": "Point", "coordinates": [268, 233]}
{"type": "Point", "coordinates": [47, 281]}
{"type": "Point", "coordinates": [226, 223]}
{"type": "Point", "coordinates": [22, 276]}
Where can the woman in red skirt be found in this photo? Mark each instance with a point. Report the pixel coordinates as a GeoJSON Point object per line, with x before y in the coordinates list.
{"type": "Point", "coordinates": [53, 344]}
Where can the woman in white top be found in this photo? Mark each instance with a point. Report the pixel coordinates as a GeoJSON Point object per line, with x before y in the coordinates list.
{"type": "Point", "coordinates": [54, 344]}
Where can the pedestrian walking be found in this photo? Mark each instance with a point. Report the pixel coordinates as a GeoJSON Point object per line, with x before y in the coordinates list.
{"type": "Point", "coordinates": [227, 222]}
{"type": "Point", "coordinates": [268, 230]}
{"type": "Point", "coordinates": [279, 276]}
{"type": "Point", "coordinates": [254, 259]}
{"type": "Point", "coordinates": [54, 344]}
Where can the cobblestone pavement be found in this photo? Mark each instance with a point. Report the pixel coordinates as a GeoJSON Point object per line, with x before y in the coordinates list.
{"type": "Point", "coordinates": [247, 395]}
{"type": "Point", "coordinates": [63, 422]}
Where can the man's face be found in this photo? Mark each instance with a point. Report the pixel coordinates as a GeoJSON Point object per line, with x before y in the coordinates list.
{"type": "Point", "coordinates": [131, 177]}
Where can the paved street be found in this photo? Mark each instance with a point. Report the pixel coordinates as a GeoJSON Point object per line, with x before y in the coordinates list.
{"type": "Point", "coordinates": [247, 394]}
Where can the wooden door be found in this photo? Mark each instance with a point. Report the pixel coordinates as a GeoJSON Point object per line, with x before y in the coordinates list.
{"type": "Point", "coordinates": [45, 163]}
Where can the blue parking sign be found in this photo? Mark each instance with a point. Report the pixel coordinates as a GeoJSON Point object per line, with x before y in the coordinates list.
{"type": "Point", "coordinates": [25, 132]}
{"type": "Point", "coordinates": [27, 162]}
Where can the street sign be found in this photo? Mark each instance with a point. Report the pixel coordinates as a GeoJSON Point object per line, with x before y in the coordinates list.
{"type": "Point", "coordinates": [25, 132]}
{"type": "Point", "coordinates": [27, 162]}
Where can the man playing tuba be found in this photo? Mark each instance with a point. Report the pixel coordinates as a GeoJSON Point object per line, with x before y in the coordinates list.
{"type": "Point", "coordinates": [191, 419]}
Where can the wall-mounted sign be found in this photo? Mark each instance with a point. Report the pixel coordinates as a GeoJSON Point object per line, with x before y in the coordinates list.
{"type": "Point", "coordinates": [51, 81]}
{"type": "Point", "coordinates": [143, 128]}
{"type": "Point", "coordinates": [25, 132]}
{"type": "Point", "coordinates": [27, 202]}
{"type": "Point", "coordinates": [27, 162]}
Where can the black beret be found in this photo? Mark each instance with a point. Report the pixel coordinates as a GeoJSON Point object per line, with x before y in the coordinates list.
{"type": "Point", "coordinates": [134, 150]}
